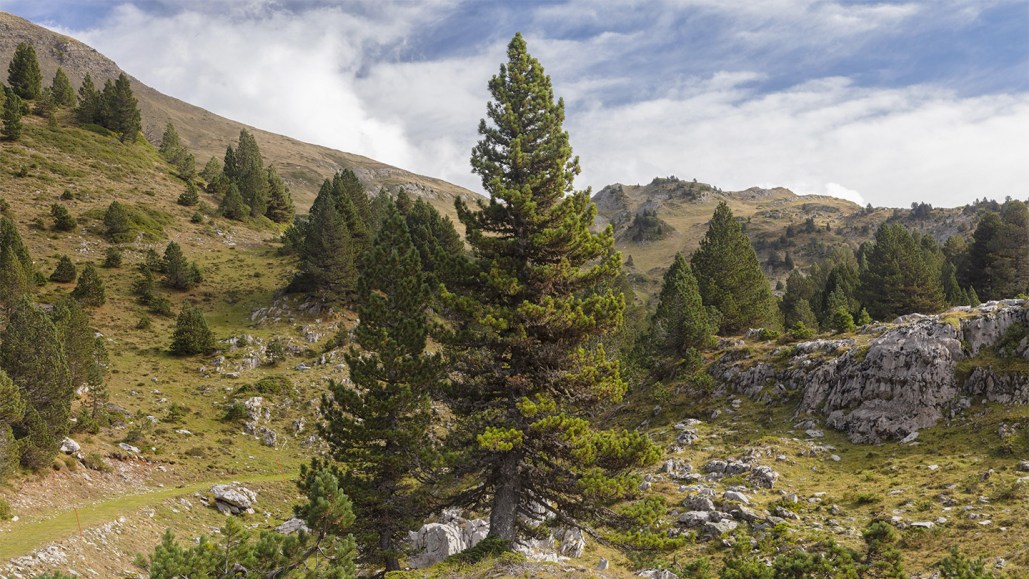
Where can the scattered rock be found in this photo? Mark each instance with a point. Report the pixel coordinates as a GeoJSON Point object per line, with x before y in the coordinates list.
{"type": "Point", "coordinates": [657, 574]}
{"type": "Point", "coordinates": [1023, 466]}
{"type": "Point", "coordinates": [699, 503]}
{"type": "Point", "coordinates": [677, 468]}
{"type": "Point", "coordinates": [714, 530]}
{"type": "Point", "coordinates": [233, 499]}
{"type": "Point", "coordinates": [128, 448]}
{"type": "Point", "coordinates": [69, 446]}
{"type": "Point", "coordinates": [909, 438]}
{"type": "Point", "coordinates": [602, 564]}
{"type": "Point", "coordinates": [737, 497]}
{"type": "Point", "coordinates": [293, 525]}
{"type": "Point", "coordinates": [764, 476]}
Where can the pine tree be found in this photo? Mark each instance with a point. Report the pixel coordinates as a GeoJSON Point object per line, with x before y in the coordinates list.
{"type": "Point", "coordinates": [189, 197]}
{"type": "Point", "coordinates": [730, 278]}
{"type": "Point", "coordinates": [192, 336]}
{"type": "Point", "coordinates": [90, 102]}
{"type": "Point", "coordinates": [170, 142]}
{"type": "Point", "coordinates": [14, 109]}
{"type": "Point", "coordinates": [23, 74]}
{"type": "Point", "coordinates": [439, 244]}
{"type": "Point", "coordinates": [280, 202]}
{"type": "Point", "coordinates": [65, 271]}
{"type": "Point", "coordinates": [377, 429]}
{"type": "Point", "coordinates": [90, 289]}
{"type": "Point", "coordinates": [902, 275]}
{"type": "Point", "coordinates": [33, 356]}
{"type": "Point", "coordinates": [61, 89]}
{"type": "Point", "coordinates": [249, 175]}
{"type": "Point", "coordinates": [116, 221]}
{"type": "Point", "coordinates": [327, 254]}
{"type": "Point", "coordinates": [17, 275]}
{"type": "Point", "coordinates": [63, 221]}
{"type": "Point", "coordinates": [527, 370]}
{"type": "Point", "coordinates": [178, 272]}
{"type": "Point", "coordinates": [211, 170]}
{"type": "Point", "coordinates": [998, 261]}
{"type": "Point", "coordinates": [681, 322]}
{"type": "Point", "coordinates": [123, 109]}
{"type": "Point", "coordinates": [77, 338]}
{"type": "Point", "coordinates": [12, 410]}
{"type": "Point", "coordinates": [232, 205]}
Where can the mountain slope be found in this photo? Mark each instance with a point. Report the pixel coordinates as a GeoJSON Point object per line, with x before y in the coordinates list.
{"type": "Point", "coordinates": [304, 166]}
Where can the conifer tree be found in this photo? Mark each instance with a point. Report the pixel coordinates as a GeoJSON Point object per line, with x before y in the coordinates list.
{"type": "Point", "coordinates": [90, 289]}
{"type": "Point", "coordinates": [192, 335]}
{"type": "Point", "coordinates": [77, 338]}
{"type": "Point", "coordinates": [23, 74]}
{"type": "Point", "coordinates": [178, 272]}
{"type": "Point", "coordinates": [998, 261]}
{"type": "Point", "coordinates": [681, 322]}
{"type": "Point", "coordinates": [17, 275]}
{"type": "Point", "coordinates": [327, 254]}
{"type": "Point", "coordinates": [65, 271]}
{"type": "Point", "coordinates": [439, 244]}
{"type": "Point", "coordinates": [90, 102]}
{"type": "Point", "coordinates": [14, 109]}
{"type": "Point", "coordinates": [211, 170]}
{"type": "Point", "coordinates": [123, 109]}
{"type": "Point", "coordinates": [527, 368]}
{"type": "Point", "coordinates": [61, 90]}
{"type": "Point", "coordinates": [249, 174]}
{"type": "Point", "coordinates": [189, 197]}
{"type": "Point", "coordinates": [901, 275]}
{"type": "Point", "coordinates": [730, 278]}
{"type": "Point", "coordinates": [280, 202]}
{"type": "Point", "coordinates": [33, 356]}
{"type": "Point", "coordinates": [377, 429]}
{"type": "Point", "coordinates": [63, 221]}
{"type": "Point", "coordinates": [116, 221]}
{"type": "Point", "coordinates": [12, 410]}
{"type": "Point", "coordinates": [232, 205]}
{"type": "Point", "coordinates": [170, 142]}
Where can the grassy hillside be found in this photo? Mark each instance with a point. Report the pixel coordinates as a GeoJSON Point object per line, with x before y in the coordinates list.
{"type": "Point", "coordinates": [302, 165]}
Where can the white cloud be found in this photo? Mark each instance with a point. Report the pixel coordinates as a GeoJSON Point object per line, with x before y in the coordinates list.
{"type": "Point", "coordinates": [345, 80]}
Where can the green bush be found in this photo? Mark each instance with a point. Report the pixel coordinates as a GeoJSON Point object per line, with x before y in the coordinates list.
{"type": "Point", "coordinates": [65, 271]}
{"type": "Point", "coordinates": [234, 412]}
{"type": "Point", "coordinates": [5, 510]}
{"type": "Point", "coordinates": [63, 221]}
{"type": "Point", "coordinates": [113, 258]}
{"type": "Point", "coordinates": [96, 461]}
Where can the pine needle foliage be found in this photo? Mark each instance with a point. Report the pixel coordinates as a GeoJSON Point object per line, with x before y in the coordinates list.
{"type": "Point", "coordinates": [528, 369]}
{"type": "Point", "coordinates": [378, 426]}
{"type": "Point", "coordinates": [730, 278]}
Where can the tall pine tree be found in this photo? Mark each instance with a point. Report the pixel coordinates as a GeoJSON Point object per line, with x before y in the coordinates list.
{"type": "Point", "coordinates": [123, 109]}
{"type": "Point", "coordinates": [61, 89]}
{"type": "Point", "coordinates": [17, 275]}
{"type": "Point", "coordinates": [528, 372]}
{"type": "Point", "coordinates": [23, 72]}
{"type": "Point", "coordinates": [902, 275]}
{"type": "Point", "coordinates": [378, 428]}
{"type": "Point", "coordinates": [14, 109]}
{"type": "Point", "coordinates": [280, 202]}
{"type": "Point", "coordinates": [730, 278]}
{"type": "Point", "coordinates": [327, 252]}
{"type": "Point", "coordinates": [681, 322]}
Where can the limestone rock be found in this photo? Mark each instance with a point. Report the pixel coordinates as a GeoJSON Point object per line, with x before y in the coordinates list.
{"type": "Point", "coordinates": [233, 499]}
{"type": "Point", "coordinates": [69, 446]}
{"type": "Point", "coordinates": [293, 525]}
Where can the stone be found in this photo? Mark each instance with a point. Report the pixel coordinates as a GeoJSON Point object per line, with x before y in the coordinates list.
{"type": "Point", "coordinates": [436, 542]}
{"type": "Point", "coordinates": [233, 499]}
{"type": "Point", "coordinates": [698, 503]}
{"type": "Point", "coordinates": [293, 525]}
{"type": "Point", "coordinates": [923, 524]}
{"type": "Point", "coordinates": [1023, 466]}
{"type": "Point", "coordinates": [693, 519]}
{"type": "Point", "coordinates": [677, 468]}
{"type": "Point", "coordinates": [602, 564]}
{"type": "Point", "coordinates": [128, 448]}
{"type": "Point", "coordinates": [745, 514]}
{"type": "Point", "coordinates": [657, 574]}
{"type": "Point", "coordinates": [571, 541]}
{"type": "Point", "coordinates": [714, 530]}
{"type": "Point", "coordinates": [69, 446]}
{"type": "Point", "coordinates": [763, 476]}
{"type": "Point", "coordinates": [909, 438]}
{"type": "Point", "coordinates": [736, 496]}
{"type": "Point", "coordinates": [814, 433]}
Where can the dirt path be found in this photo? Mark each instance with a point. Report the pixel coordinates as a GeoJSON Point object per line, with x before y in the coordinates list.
{"type": "Point", "coordinates": [30, 533]}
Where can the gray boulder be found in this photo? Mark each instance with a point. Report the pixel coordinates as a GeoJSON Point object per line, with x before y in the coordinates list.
{"type": "Point", "coordinates": [69, 446]}
{"type": "Point", "coordinates": [233, 499]}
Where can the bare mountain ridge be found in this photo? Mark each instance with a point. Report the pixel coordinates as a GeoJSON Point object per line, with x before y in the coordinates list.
{"type": "Point", "coordinates": [303, 165]}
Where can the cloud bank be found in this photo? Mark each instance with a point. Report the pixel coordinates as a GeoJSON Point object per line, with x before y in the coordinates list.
{"type": "Point", "coordinates": [815, 95]}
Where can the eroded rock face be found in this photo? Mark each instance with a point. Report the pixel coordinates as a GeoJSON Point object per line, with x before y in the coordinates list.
{"type": "Point", "coordinates": [901, 382]}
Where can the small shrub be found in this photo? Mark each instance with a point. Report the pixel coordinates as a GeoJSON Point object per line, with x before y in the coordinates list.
{"type": "Point", "coordinates": [176, 413]}
{"type": "Point", "coordinates": [234, 412]}
{"type": "Point", "coordinates": [799, 331]}
{"type": "Point", "coordinates": [197, 217]}
{"type": "Point", "coordinates": [67, 195]}
{"type": "Point", "coordinates": [5, 510]}
{"type": "Point", "coordinates": [63, 221]}
{"type": "Point", "coordinates": [144, 323]}
{"type": "Point", "coordinates": [160, 305]}
{"type": "Point", "coordinates": [768, 335]}
{"type": "Point", "coordinates": [96, 461]}
{"type": "Point", "coordinates": [866, 498]}
{"type": "Point", "coordinates": [65, 271]}
{"type": "Point", "coordinates": [488, 548]}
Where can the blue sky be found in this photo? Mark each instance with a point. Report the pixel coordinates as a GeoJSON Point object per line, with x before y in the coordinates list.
{"type": "Point", "coordinates": [881, 102]}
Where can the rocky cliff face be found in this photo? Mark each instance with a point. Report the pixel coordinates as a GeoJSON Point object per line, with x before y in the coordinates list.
{"type": "Point", "coordinates": [896, 378]}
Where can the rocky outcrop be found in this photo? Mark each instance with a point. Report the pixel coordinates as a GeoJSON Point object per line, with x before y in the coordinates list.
{"type": "Point", "coordinates": [901, 380]}
{"type": "Point", "coordinates": [233, 499]}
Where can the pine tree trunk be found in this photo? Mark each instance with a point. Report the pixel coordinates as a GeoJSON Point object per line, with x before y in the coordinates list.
{"type": "Point", "coordinates": [385, 545]}
{"type": "Point", "coordinates": [505, 499]}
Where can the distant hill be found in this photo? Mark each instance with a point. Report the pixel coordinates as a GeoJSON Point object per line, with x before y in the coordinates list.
{"type": "Point", "coordinates": [654, 221]}
{"type": "Point", "coordinates": [304, 166]}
